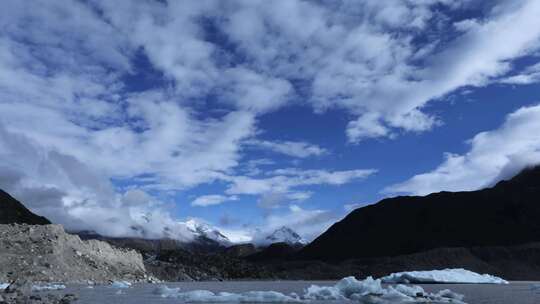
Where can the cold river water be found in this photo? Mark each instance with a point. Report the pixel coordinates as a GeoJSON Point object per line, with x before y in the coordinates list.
{"type": "Point", "coordinates": [514, 293]}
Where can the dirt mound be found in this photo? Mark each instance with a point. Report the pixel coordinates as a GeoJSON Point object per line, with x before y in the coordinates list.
{"type": "Point", "coordinates": [48, 254]}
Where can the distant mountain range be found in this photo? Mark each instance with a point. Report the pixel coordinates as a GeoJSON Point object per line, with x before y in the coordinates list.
{"type": "Point", "coordinates": [204, 237]}
{"type": "Point", "coordinates": [12, 211]}
{"type": "Point", "coordinates": [504, 215]}
{"type": "Point", "coordinates": [494, 230]}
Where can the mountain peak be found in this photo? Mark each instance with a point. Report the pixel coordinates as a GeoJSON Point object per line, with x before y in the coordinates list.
{"type": "Point", "coordinates": [205, 231]}
{"type": "Point", "coordinates": [285, 234]}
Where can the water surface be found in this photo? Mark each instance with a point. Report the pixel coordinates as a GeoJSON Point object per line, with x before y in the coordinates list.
{"type": "Point", "coordinates": [514, 293]}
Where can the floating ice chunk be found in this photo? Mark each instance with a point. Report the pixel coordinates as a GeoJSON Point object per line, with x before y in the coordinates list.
{"type": "Point", "coordinates": [442, 276]}
{"type": "Point", "coordinates": [446, 293]}
{"type": "Point", "coordinates": [409, 290]}
{"type": "Point", "coordinates": [48, 287]}
{"type": "Point", "coordinates": [202, 296]}
{"type": "Point", "coordinates": [368, 291]}
{"type": "Point", "coordinates": [3, 286]}
{"type": "Point", "coordinates": [345, 289]}
{"type": "Point", "coordinates": [120, 284]}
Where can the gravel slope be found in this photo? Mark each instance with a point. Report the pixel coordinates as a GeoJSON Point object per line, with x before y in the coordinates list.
{"type": "Point", "coordinates": [48, 254]}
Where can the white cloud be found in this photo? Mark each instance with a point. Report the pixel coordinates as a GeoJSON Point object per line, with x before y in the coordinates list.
{"type": "Point", "coordinates": [282, 185]}
{"type": "Point", "coordinates": [529, 75]}
{"type": "Point", "coordinates": [298, 149]}
{"type": "Point", "coordinates": [272, 200]}
{"type": "Point", "coordinates": [493, 155]}
{"type": "Point", "coordinates": [346, 55]}
{"type": "Point", "coordinates": [67, 191]}
{"type": "Point", "coordinates": [212, 199]}
{"type": "Point", "coordinates": [283, 180]}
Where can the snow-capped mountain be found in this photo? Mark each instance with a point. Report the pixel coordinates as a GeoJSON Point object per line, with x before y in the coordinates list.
{"type": "Point", "coordinates": [189, 231]}
{"type": "Point", "coordinates": [284, 235]}
{"type": "Point", "coordinates": [202, 231]}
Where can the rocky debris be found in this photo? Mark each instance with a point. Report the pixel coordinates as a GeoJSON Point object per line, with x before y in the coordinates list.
{"type": "Point", "coordinates": [182, 265]}
{"type": "Point", "coordinates": [48, 254]}
{"type": "Point", "coordinates": [511, 262]}
{"type": "Point", "coordinates": [240, 250]}
{"type": "Point", "coordinates": [276, 251]}
{"type": "Point", "coordinates": [20, 292]}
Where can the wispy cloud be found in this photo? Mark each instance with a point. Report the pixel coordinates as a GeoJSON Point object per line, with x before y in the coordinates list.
{"type": "Point", "coordinates": [212, 199]}
{"type": "Point", "coordinates": [298, 149]}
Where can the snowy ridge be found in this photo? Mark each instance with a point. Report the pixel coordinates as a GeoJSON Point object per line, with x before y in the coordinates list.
{"type": "Point", "coordinates": [458, 275]}
{"type": "Point", "coordinates": [192, 230]}
{"type": "Point", "coordinates": [368, 291]}
{"type": "Point", "coordinates": [284, 235]}
{"type": "Point", "coordinates": [200, 229]}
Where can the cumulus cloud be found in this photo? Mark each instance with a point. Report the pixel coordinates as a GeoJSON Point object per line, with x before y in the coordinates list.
{"type": "Point", "coordinates": [360, 57]}
{"type": "Point", "coordinates": [494, 155]}
{"type": "Point", "coordinates": [67, 191]}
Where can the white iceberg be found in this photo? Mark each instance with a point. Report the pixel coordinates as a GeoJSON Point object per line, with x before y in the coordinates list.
{"type": "Point", "coordinates": [3, 286]}
{"type": "Point", "coordinates": [48, 287]}
{"type": "Point", "coordinates": [368, 291]}
{"type": "Point", "coordinates": [454, 276]}
{"type": "Point", "coordinates": [120, 284]}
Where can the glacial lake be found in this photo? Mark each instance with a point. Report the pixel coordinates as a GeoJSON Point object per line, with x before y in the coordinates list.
{"type": "Point", "coordinates": [514, 293]}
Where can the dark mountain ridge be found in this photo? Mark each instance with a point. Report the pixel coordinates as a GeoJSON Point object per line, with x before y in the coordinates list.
{"type": "Point", "coordinates": [12, 211]}
{"type": "Point", "coordinates": [505, 215]}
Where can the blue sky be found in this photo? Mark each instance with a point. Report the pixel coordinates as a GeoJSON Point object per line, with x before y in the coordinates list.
{"type": "Point", "coordinates": [251, 115]}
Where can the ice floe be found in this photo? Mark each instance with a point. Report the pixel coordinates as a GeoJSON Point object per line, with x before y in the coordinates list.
{"type": "Point", "coordinates": [3, 286]}
{"type": "Point", "coordinates": [120, 284]}
{"type": "Point", "coordinates": [458, 275]}
{"type": "Point", "coordinates": [48, 287]}
{"type": "Point", "coordinates": [202, 296]}
{"type": "Point", "coordinates": [368, 291]}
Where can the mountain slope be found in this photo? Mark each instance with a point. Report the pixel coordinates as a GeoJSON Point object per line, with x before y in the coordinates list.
{"type": "Point", "coordinates": [12, 211]}
{"type": "Point", "coordinates": [507, 214]}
